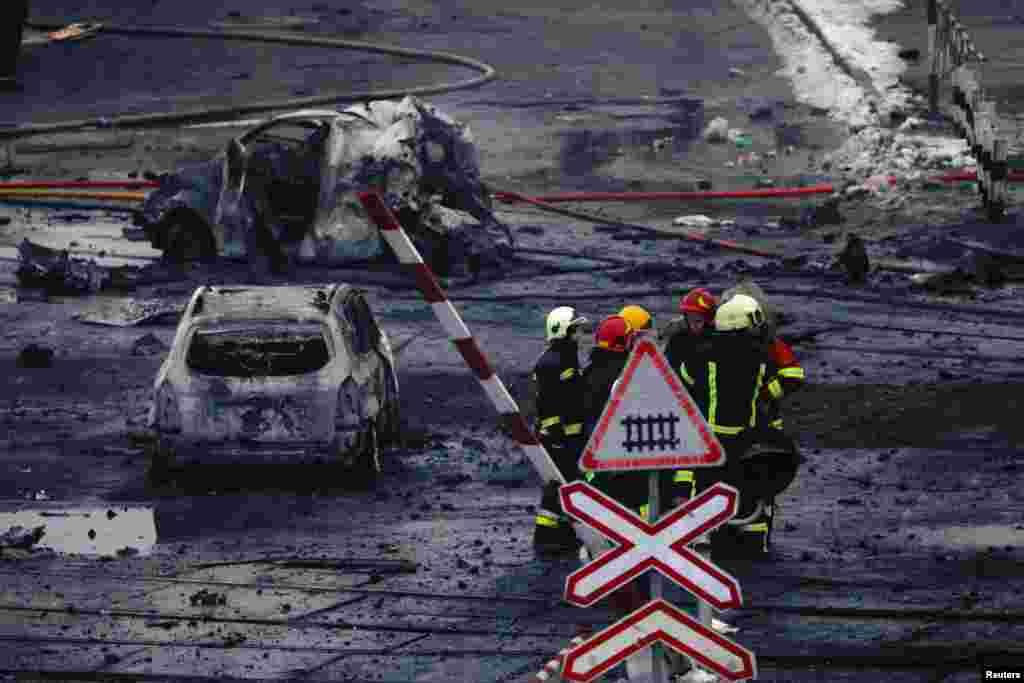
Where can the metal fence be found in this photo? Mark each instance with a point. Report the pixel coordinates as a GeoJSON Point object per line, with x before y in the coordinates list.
{"type": "Point", "coordinates": [953, 54]}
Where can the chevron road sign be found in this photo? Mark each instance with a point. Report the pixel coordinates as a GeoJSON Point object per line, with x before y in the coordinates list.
{"type": "Point", "coordinates": [662, 546]}
{"type": "Point", "coordinates": [658, 621]}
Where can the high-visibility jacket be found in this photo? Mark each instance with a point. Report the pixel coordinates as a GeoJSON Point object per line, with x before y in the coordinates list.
{"type": "Point", "coordinates": [559, 394]}
{"type": "Point", "coordinates": [682, 345]}
{"type": "Point", "coordinates": [725, 380]}
{"type": "Point", "coordinates": [789, 377]}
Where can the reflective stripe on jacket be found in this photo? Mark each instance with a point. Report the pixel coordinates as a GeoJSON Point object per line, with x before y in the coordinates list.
{"type": "Point", "coordinates": [726, 380]}
{"type": "Point", "coordinates": [559, 391]}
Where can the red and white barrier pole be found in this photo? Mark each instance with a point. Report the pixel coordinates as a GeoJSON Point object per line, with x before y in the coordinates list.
{"type": "Point", "coordinates": [551, 671]}
{"type": "Point", "coordinates": [460, 336]}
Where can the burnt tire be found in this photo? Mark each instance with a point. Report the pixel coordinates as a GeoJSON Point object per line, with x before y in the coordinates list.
{"type": "Point", "coordinates": [366, 463]}
{"type": "Point", "coordinates": [186, 237]}
{"type": "Point", "coordinates": [389, 421]}
{"type": "Point", "coordinates": [161, 464]}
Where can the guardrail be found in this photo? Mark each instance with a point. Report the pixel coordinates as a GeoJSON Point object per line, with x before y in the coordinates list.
{"type": "Point", "coordinates": [952, 53]}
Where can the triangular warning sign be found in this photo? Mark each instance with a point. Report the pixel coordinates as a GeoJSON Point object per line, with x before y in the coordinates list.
{"type": "Point", "coordinates": [650, 421]}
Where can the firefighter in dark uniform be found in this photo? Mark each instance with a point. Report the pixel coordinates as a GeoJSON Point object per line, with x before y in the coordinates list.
{"type": "Point", "coordinates": [559, 383]}
{"type": "Point", "coordinates": [726, 380]}
{"type": "Point", "coordinates": [698, 308]}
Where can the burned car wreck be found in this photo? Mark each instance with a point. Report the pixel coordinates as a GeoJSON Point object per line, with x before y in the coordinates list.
{"type": "Point", "coordinates": [275, 374]}
{"type": "Point", "coordinates": [285, 191]}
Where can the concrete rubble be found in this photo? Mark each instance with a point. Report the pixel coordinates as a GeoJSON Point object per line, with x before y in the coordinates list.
{"type": "Point", "coordinates": [55, 271]}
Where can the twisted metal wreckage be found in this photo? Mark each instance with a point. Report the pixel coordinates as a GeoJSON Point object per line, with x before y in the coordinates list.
{"type": "Point", "coordinates": [285, 192]}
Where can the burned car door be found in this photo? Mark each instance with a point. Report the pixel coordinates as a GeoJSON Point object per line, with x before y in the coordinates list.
{"type": "Point", "coordinates": [271, 185]}
{"type": "Point", "coordinates": [285, 162]}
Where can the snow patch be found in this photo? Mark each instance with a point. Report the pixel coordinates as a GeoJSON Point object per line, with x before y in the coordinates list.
{"type": "Point", "coordinates": [865, 105]}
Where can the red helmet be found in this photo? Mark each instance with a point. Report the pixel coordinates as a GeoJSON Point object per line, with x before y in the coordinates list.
{"type": "Point", "coordinates": [615, 334]}
{"type": "Point", "coordinates": [700, 301]}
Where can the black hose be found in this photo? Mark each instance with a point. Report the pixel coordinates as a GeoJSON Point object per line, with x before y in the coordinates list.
{"type": "Point", "coordinates": [890, 328]}
{"type": "Point", "coordinates": [575, 254]}
{"type": "Point", "coordinates": [917, 353]}
{"type": "Point", "coordinates": [487, 73]}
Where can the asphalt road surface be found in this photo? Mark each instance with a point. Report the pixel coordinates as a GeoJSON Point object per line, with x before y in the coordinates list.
{"type": "Point", "coordinates": [898, 548]}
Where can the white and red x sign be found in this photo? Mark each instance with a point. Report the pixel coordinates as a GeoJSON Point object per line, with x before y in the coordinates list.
{"type": "Point", "coordinates": [658, 621]}
{"type": "Point", "coordinates": [643, 546]}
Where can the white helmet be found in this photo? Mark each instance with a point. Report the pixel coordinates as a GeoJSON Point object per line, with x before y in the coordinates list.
{"type": "Point", "coordinates": [560, 321]}
{"type": "Point", "coordinates": [741, 312]}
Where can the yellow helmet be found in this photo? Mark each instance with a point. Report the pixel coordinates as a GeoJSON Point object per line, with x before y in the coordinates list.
{"type": "Point", "coordinates": [638, 318]}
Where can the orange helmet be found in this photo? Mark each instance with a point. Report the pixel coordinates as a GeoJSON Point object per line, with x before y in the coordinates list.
{"type": "Point", "coordinates": [637, 316]}
{"type": "Point", "coordinates": [700, 301]}
{"type": "Point", "coordinates": [615, 334]}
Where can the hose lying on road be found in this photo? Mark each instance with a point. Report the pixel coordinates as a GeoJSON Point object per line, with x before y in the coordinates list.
{"type": "Point", "coordinates": [971, 176]}
{"type": "Point", "coordinates": [460, 336]}
{"type": "Point", "coordinates": [74, 194]}
{"type": "Point", "coordinates": [487, 73]}
{"type": "Point", "coordinates": [768, 193]}
{"type": "Point", "coordinates": [32, 203]}
{"type": "Point", "coordinates": [78, 185]}
{"type": "Point", "coordinates": [625, 294]}
{"type": "Point", "coordinates": [694, 237]}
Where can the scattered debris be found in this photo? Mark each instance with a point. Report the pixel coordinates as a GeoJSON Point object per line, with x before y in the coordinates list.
{"type": "Point", "coordinates": [953, 282]}
{"type": "Point", "coordinates": [129, 312]}
{"type": "Point", "coordinates": [717, 131]}
{"type": "Point", "coordinates": [702, 221]}
{"type": "Point", "coordinates": [35, 356]}
{"type": "Point", "coordinates": [854, 258]}
{"type": "Point", "coordinates": [205, 598]}
{"type": "Point", "coordinates": [826, 213]}
{"type": "Point", "coordinates": [735, 73]}
{"type": "Point", "coordinates": [56, 272]}
{"type": "Point", "coordinates": [762, 112]}
{"type": "Point", "coordinates": [149, 345]}
{"type": "Point", "coordinates": [20, 538]}
{"type": "Point", "coordinates": [134, 234]}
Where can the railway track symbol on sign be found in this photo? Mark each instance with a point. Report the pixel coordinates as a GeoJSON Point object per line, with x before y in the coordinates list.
{"type": "Point", "coordinates": [642, 546]}
{"type": "Point", "coordinates": [650, 421]}
{"type": "Point", "coordinates": [658, 621]}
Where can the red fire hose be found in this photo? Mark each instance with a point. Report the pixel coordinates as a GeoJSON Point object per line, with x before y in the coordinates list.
{"type": "Point", "coordinates": [970, 175]}
{"type": "Point", "coordinates": [78, 184]}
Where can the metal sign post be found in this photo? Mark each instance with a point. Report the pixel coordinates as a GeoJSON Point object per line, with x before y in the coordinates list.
{"type": "Point", "coordinates": [651, 423]}
{"type": "Point", "coordinates": [658, 673]}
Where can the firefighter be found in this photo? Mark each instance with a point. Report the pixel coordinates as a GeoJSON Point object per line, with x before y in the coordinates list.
{"type": "Point", "coordinates": [559, 385]}
{"type": "Point", "coordinates": [698, 308]}
{"type": "Point", "coordinates": [726, 378]}
{"type": "Point", "coordinates": [790, 375]}
{"type": "Point", "coordinates": [638, 318]}
{"type": "Point", "coordinates": [788, 378]}
{"type": "Point", "coordinates": [613, 341]}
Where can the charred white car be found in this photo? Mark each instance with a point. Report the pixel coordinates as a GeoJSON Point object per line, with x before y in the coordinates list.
{"type": "Point", "coordinates": [278, 374]}
{"type": "Point", "coordinates": [287, 190]}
